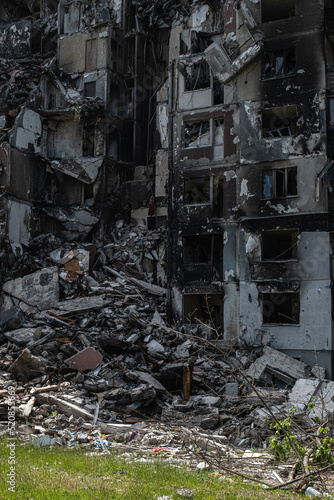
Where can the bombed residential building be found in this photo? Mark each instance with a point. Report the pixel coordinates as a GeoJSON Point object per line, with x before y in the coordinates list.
{"type": "Point", "coordinates": [250, 188]}
{"type": "Point", "coordinates": [210, 122]}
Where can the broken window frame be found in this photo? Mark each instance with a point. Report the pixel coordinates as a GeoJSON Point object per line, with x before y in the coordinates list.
{"type": "Point", "coordinates": [214, 189]}
{"type": "Point", "coordinates": [279, 69]}
{"type": "Point", "coordinates": [281, 183]}
{"type": "Point", "coordinates": [272, 300]}
{"type": "Point", "coordinates": [279, 122]}
{"type": "Point", "coordinates": [212, 135]}
{"type": "Point", "coordinates": [279, 245]}
{"type": "Point", "coordinates": [268, 7]}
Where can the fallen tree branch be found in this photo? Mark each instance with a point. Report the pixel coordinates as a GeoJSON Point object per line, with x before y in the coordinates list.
{"type": "Point", "coordinates": [305, 476]}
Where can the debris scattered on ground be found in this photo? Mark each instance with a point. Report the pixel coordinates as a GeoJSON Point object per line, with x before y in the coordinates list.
{"type": "Point", "coordinates": [99, 366]}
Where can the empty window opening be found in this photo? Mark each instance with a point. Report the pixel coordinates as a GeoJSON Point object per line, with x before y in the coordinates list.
{"type": "Point", "coordinates": [205, 191]}
{"type": "Point", "coordinates": [88, 140]}
{"type": "Point", "coordinates": [127, 103]}
{"type": "Point", "coordinates": [113, 145]}
{"type": "Point", "coordinates": [218, 138]}
{"type": "Point", "coordinates": [279, 183]}
{"type": "Point", "coordinates": [279, 63]}
{"type": "Point", "coordinates": [88, 192]}
{"type": "Point", "coordinates": [279, 244]}
{"type": "Point", "coordinates": [218, 92]}
{"type": "Point", "coordinates": [197, 249]}
{"type": "Point", "coordinates": [91, 54]}
{"type": "Point", "coordinates": [202, 257]}
{"type": "Point", "coordinates": [204, 309]}
{"type": "Point", "coordinates": [217, 197]}
{"type": "Point", "coordinates": [197, 134]}
{"type": "Point", "coordinates": [197, 76]}
{"type": "Point", "coordinates": [126, 142]}
{"type": "Point", "coordinates": [280, 308]}
{"type": "Point", "coordinates": [199, 42]}
{"type": "Point", "coordinates": [273, 10]}
{"type": "Point", "coordinates": [197, 191]}
{"type": "Point", "coordinates": [90, 89]}
{"type": "Point", "coordinates": [279, 122]}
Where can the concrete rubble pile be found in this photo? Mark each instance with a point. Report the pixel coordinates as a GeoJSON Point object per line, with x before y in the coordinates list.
{"type": "Point", "coordinates": [85, 342]}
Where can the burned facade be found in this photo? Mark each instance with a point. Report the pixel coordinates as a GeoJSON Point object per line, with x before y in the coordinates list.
{"type": "Point", "coordinates": [250, 207]}
{"type": "Point", "coordinates": [212, 118]}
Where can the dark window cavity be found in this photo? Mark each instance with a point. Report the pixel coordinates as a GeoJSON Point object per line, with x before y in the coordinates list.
{"type": "Point", "coordinates": [279, 63]}
{"type": "Point", "coordinates": [90, 89]}
{"type": "Point", "coordinates": [88, 140]}
{"type": "Point", "coordinates": [279, 122]}
{"type": "Point", "coordinates": [202, 257]}
{"type": "Point", "coordinates": [279, 244]}
{"type": "Point", "coordinates": [279, 183]}
{"type": "Point", "coordinates": [280, 308]}
{"type": "Point", "coordinates": [205, 191]}
{"type": "Point", "coordinates": [196, 249]}
{"type": "Point", "coordinates": [218, 92]}
{"type": "Point", "coordinates": [197, 191]}
{"type": "Point", "coordinates": [274, 10]}
{"type": "Point", "coordinates": [197, 76]}
{"type": "Point", "coordinates": [205, 309]}
{"type": "Point", "coordinates": [127, 103]}
{"type": "Point", "coordinates": [199, 42]}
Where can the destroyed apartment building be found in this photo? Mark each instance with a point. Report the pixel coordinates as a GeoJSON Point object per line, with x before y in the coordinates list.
{"type": "Point", "coordinates": [205, 127]}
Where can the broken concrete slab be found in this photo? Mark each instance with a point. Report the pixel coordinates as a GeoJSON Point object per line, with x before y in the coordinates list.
{"type": "Point", "coordinates": [283, 365]}
{"type": "Point", "coordinates": [22, 336]}
{"type": "Point", "coordinates": [88, 359]}
{"type": "Point", "coordinates": [65, 407]}
{"type": "Point", "coordinates": [148, 379]}
{"type": "Point", "coordinates": [27, 366]}
{"type": "Point", "coordinates": [323, 405]}
{"type": "Point", "coordinates": [37, 291]}
{"type": "Point", "coordinates": [303, 391]}
{"type": "Point", "coordinates": [80, 305]}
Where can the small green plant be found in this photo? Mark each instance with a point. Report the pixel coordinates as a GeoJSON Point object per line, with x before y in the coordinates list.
{"type": "Point", "coordinates": [323, 453]}
{"type": "Point", "coordinates": [284, 442]}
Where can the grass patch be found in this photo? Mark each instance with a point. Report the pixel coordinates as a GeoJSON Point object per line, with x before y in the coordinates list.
{"type": "Point", "coordinates": [71, 473]}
